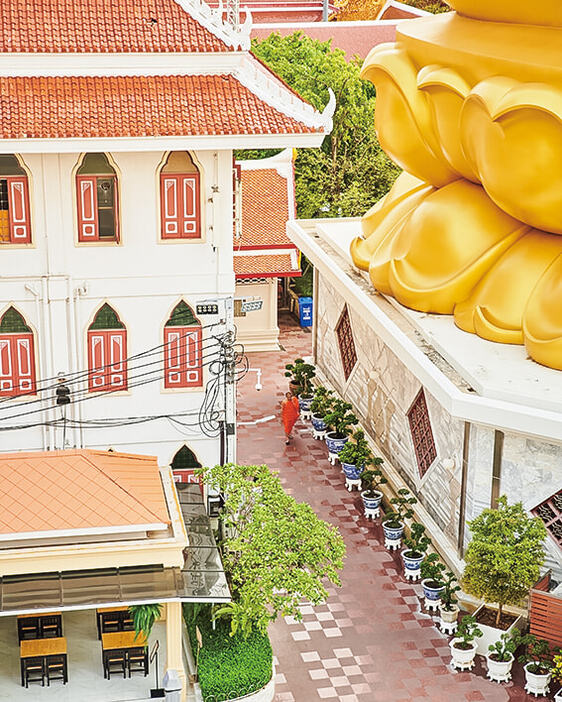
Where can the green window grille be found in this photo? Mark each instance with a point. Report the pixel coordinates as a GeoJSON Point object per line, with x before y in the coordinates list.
{"type": "Point", "coordinates": [182, 316]}
{"type": "Point", "coordinates": [106, 318]}
{"type": "Point", "coordinates": [185, 459]}
{"type": "Point", "coordinates": [13, 323]}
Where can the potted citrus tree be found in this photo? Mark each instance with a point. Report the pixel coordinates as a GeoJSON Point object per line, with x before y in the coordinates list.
{"type": "Point", "coordinates": [463, 646]}
{"type": "Point", "coordinates": [354, 455]}
{"type": "Point", "coordinates": [502, 563]}
{"type": "Point", "coordinates": [500, 656]}
{"type": "Point", "coordinates": [416, 544]}
{"type": "Point", "coordinates": [371, 480]}
{"type": "Point", "coordinates": [448, 607]}
{"type": "Point", "coordinates": [538, 661]}
{"type": "Point", "coordinates": [433, 580]}
{"type": "Point", "coordinates": [339, 421]}
{"type": "Point", "coordinates": [320, 407]}
{"type": "Point", "coordinates": [393, 522]}
{"type": "Point", "coordinates": [301, 375]}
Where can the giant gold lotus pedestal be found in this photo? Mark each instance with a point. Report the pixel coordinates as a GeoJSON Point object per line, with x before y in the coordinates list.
{"type": "Point", "coordinates": [469, 104]}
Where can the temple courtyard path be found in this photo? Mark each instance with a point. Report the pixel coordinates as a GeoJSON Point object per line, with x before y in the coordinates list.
{"type": "Point", "coordinates": [371, 641]}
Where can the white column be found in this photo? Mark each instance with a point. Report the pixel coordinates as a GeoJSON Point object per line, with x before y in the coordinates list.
{"type": "Point", "coordinates": [174, 655]}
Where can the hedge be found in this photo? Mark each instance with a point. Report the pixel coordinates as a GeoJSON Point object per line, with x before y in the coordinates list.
{"type": "Point", "coordinates": [229, 666]}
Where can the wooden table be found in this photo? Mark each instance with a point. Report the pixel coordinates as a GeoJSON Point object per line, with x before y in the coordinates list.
{"type": "Point", "coordinates": [122, 639]}
{"type": "Point", "coordinates": [43, 614]}
{"type": "Point", "coordinates": [43, 648]}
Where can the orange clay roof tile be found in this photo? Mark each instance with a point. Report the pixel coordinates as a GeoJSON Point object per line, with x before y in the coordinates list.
{"type": "Point", "coordinates": [135, 106]}
{"type": "Point", "coordinates": [79, 489]}
{"type": "Point", "coordinates": [264, 265]}
{"type": "Point", "coordinates": [86, 26]}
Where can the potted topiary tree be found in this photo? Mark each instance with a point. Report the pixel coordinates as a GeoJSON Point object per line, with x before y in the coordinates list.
{"type": "Point", "coordinates": [503, 562]}
{"type": "Point", "coordinates": [339, 421]}
{"type": "Point", "coordinates": [416, 546]}
{"type": "Point", "coordinates": [538, 660]}
{"type": "Point", "coordinates": [320, 407]}
{"type": "Point", "coordinates": [371, 479]}
{"type": "Point", "coordinates": [353, 457]}
{"type": "Point", "coordinates": [301, 374]}
{"type": "Point", "coordinates": [433, 580]}
{"type": "Point", "coordinates": [500, 656]}
{"type": "Point", "coordinates": [393, 522]}
{"type": "Point", "coordinates": [448, 607]}
{"type": "Point", "coordinates": [556, 673]}
{"type": "Point", "coordinates": [463, 646]}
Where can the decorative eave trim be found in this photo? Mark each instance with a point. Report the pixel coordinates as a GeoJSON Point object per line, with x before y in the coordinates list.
{"type": "Point", "coordinates": [212, 19]}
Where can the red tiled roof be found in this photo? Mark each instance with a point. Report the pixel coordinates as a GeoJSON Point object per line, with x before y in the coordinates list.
{"type": "Point", "coordinates": [268, 265]}
{"type": "Point", "coordinates": [265, 209]}
{"type": "Point", "coordinates": [135, 106]}
{"type": "Point", "coordinates": [392, 13]}
{"type": "Point", "coordinates": [85, 26]}
{"type": "Point", "coordinates": [79, 489]}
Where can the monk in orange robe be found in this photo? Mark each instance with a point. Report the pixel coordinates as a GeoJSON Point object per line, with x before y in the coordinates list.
{"type": "Point", "coordinates": [290, 412]}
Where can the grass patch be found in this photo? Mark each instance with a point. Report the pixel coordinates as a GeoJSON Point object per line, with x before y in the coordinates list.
{"type": "Point", "coordinates": [229, 666]}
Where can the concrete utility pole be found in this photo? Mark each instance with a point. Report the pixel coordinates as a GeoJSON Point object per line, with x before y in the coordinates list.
{"type": "Point", "coordinates": [324, 10]}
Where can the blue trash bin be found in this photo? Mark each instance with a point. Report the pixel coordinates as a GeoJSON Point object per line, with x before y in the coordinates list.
{"type": "Point", "coordinates": [305, 311]}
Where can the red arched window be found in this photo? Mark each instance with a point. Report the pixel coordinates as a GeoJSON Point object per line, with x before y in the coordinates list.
{"type": "Point", "coordinates": [15, 225]}
{"type": "Point", "coordinates": [107, 352]}
{"type": "Point", "coordinates": [183, 357]}
{"type": "Point", "coordinates": [17, 356]}
{"type": "Point", "coordinates": [180, 198]}
{"type": "Point", "coordinates": [97, 197]}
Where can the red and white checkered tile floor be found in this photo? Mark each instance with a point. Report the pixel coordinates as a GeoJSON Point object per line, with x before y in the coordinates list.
{"type": "Point", "coordinates": [371, 641]}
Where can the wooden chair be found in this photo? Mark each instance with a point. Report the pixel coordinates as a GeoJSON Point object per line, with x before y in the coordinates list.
{"type": "Point", "coordinates": [51, 627]}
{"type": "Point", "coordinates": [110, 622]}
{"type": "Point", "coordinates": [34, 670]}
{"type": "Point", "coordinates": [28, 628]}
{"type": "Point", "coordinates": [114, 661]}
{"type": "Point", "coordinates": [137, 660]}
{"type": "Point", "coordinates": [55, 669]}
{"type": "Point", "coordinates": [127, 623]}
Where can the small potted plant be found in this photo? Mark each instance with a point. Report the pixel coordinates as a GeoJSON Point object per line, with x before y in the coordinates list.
{"type": "Point", "coordinates": [556, 673]}
{"type": "Point", "coordinates": [448, 607]}
{"type": "Point", "coordinates": [463, 646]}
{"type": "Point", "coordinates": [416, 546]}
{"type": "Point", "coordinates": [320, 407]}
{"type": "Point", "coordinates": [354, 455]}
{"type": "Point", "coordinates": [371, 479]}
{"type": "Point", "coordinates": [500, 656]}
{"type": "Point", "coordinates": [433, 580]}
{"type": "Point", "coordinates": [301, 374]}
{"type": "Point", "coordinates": [538, 661]}
{"type": "Point", "coordinates": [339, 420]}
{"type": "Point", "coordinates": [393, 522]}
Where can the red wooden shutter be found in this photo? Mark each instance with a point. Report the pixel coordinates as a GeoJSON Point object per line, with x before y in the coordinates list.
{"type": "Point", "coordinates": [182, 357]}
{"type": "Point", "coordinates": [107, 351]}
{"type": "Point", "coordinates": [170, 206]}
{"type": "Point", "coordinates": [17, 365]}
{"type": "Point", "coordinates": [191, 227]}
{"type": "Point", "coordinates": [117, 353]}
{"type": "Point", "coordinates": [96, 361]}
{"type": "Point", "coordinates": [86, 190]}
{"type": "Point", "coordinates": [18, 207]}
{"type": "Point", "coordinates": [6, 367]}
{"type": "Point", "coordinates": [194, 370]}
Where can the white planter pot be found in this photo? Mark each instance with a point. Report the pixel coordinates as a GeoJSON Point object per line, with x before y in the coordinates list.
{"type": "Point", "coordinates": [449, 616]}
{"type": "Point", "coordinates": [558, 696]}
{"type": "Point", "coordinates": [536, 684]}
{"type": "Point", "coordinates": [490, 634]}
{"type": "Point", "coordinates": [500, 671]}
{"type": "Point", "coordinates": [463, 659]}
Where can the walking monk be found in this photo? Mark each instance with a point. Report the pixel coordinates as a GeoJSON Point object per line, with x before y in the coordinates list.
{"type": "Point", "coordinates": [290, 412]}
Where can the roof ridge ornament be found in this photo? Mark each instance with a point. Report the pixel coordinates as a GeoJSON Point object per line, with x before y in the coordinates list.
{"type": "Point", "coordinates": [213, 20]}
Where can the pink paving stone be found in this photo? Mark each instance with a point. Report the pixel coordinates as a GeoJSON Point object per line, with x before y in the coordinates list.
{"type": "Point", "coordinates": [374, 592]}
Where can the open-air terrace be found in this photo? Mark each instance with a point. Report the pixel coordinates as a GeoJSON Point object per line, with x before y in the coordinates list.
{"type": "Point", "coordinates": [85, 669]}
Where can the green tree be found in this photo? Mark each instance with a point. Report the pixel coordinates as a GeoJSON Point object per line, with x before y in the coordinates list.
{"type": "Point", "coordinates": [503, 559]}
{"type": "Point", "coordinates": [350, 171]}
{"type": "Point", "coordinates": [276, 551]}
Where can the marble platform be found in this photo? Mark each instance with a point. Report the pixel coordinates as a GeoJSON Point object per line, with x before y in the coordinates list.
{"type": "Point", "coordinates": [85, 673]}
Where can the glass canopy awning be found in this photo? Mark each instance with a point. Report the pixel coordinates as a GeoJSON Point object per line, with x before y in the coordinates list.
{"type": "Point", "coordinates": [201, 579]}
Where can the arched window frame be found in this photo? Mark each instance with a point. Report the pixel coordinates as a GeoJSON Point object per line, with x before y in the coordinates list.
{"type": "Point", "coordinates": [183, 352]}
{"type": "Point", "coordinates": [107, 354]}
{"type": "Point", "coordinates": [87, 204]}
{"type": "Point", "coordinates": [14, 200]}
{"type": "Point", "coordinates": [180, 202]}
{"type": "Point", "coordinates": [186, 473]}
{"type": "Point", "coordinates": [17, 359]}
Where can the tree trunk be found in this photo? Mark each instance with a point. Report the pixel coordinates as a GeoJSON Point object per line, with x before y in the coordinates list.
{"type": "Point", "coordinates": [499, 614]}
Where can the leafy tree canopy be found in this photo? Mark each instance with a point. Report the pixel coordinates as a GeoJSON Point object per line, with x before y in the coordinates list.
{"type": "Point", "coordinates": [350, 172]}
{"type": "Point", "coordinates": [276, 551]}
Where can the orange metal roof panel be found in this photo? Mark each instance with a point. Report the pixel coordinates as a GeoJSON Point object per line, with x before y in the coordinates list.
{"type": "Point", "coordinates": [79, 489]}
{"type": "Point", "coordinates": [85, 26]}
{"type": "Point", "coordinates": [135, 106]}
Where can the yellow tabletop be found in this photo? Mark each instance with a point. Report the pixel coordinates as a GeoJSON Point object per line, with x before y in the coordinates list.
{"type": "Point", "coordinates": [103, 610]}
{"type": "Point", "coordinates": [40, 614]}
{"type": "Point", "coordinates": [122, 639]}
{"type": "Point", "coordinates": [43, 647]}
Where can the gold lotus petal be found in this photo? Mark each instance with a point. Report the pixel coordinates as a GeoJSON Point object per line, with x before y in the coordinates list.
{"type": "Point", "coordinates": [542, 319]}
{"type": "Point", "coordinates": [543, 12]}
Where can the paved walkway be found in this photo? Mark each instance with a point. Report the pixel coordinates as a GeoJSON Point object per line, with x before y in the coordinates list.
{"type": "Point", "coordinates": [371, 641]}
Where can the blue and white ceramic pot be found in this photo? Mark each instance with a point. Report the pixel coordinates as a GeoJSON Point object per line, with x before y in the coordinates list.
{"type": "Point", "coordinates": [393, 533]}
{"type": "Point", "coordinates": [431, 590]}
{"type": "Point", "coordinates": [352, 471]}
{"type": "Point", "coordinates": [411, 563]}
{"type": "Point", "coordinates": [304, 403]}
{"type": "Point", "coordinates": [335, 443]}
{"type": "Point", "coordinates": [372, 502]}
{"type": "Point", "coordinates": [318, 422]}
